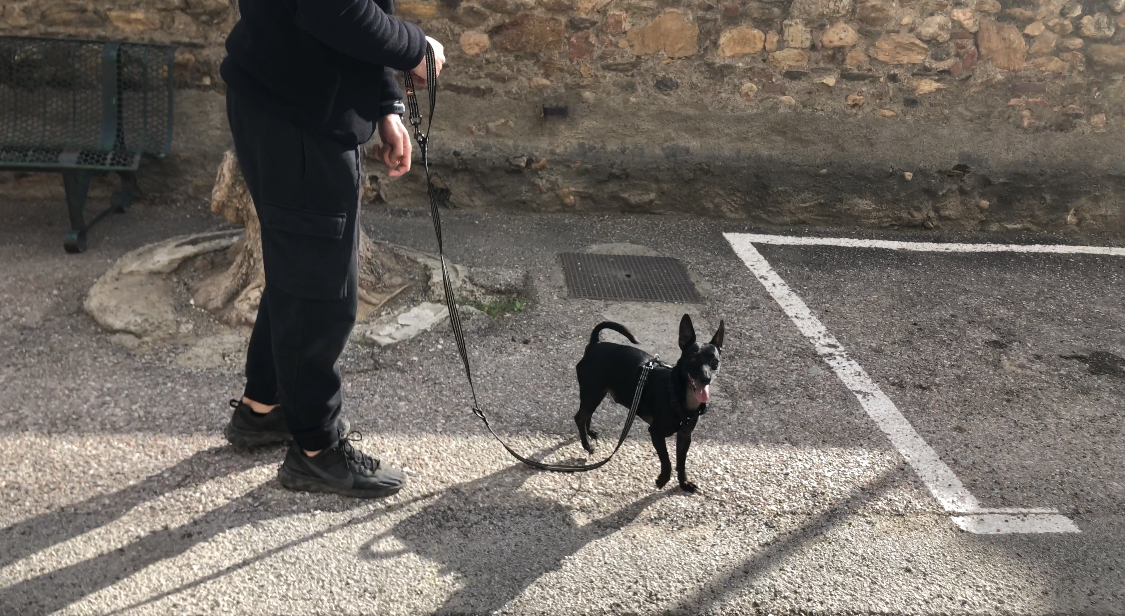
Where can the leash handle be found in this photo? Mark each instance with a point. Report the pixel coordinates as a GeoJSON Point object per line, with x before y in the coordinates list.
{"type": "Point", "coordinates": [423, 140]}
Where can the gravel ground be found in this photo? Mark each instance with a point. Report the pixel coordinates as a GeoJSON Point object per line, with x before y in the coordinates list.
{"type": "Point", "coordinates": [121, 496]}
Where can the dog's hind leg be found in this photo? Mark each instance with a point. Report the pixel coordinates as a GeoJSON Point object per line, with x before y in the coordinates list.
{"type": "Point", "coordinates": [589, 401]}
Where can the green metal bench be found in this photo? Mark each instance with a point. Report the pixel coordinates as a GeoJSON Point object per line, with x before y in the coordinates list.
{"type": "Point", "coordinates": [84, 108]}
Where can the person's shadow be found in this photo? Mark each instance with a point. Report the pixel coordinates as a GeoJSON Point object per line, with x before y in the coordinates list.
{"type": "Point", "coordinates": [497, 538]}
{"type": "Point", "coordinates": [51, 591]}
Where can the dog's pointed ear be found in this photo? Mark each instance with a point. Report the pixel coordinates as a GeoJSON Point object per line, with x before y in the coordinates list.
{"type": "Point", "coordinates": [687, 332]}
{"type": "Point", "coordinates": [717, 339]}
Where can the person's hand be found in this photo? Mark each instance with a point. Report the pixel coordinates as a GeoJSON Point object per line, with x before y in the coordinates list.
{"type": "Point", "coordinates": [396, 150]}
{"type": "Point", "coordinates": [419, 72]}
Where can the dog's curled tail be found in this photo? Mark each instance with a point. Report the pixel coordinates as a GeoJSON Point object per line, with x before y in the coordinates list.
{"type": "Point", "coordinates": [617, 327]}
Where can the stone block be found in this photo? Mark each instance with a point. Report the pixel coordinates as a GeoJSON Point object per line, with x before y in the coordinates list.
{"type": "Point", "coordinates": [528, 33]}
{"type": "Point", "coordinates": [935, 28]}
{"type": "Point", "coordinates": [474, 43]}
{"type": "Point", "coordinates": [796, 34]}
{"type": "Point", "coordinates": [900, 49]}
{"type": "Point", "coordinates": [133, 22]}
{"type": "Point", "coordinates": [740, 42]}
{"type": "Point", "coordinates": [1108, 57]}
{"type": "Point", "coordinates": [1044, 43]}
{"type": "Point", "coordinates": [839, 35]}
{"type": "Point", "coordinates": [671, 33]}
{"type": "Point", "coordinates": [789, 58]}
{"type": "Point", "coordinates": [1001, 44]}
{"type": "Point", "coordinates": [1097, 26]}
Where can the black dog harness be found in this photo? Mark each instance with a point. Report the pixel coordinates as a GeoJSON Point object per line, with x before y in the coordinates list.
{"type": "Point", "coordinates": [454, 316]}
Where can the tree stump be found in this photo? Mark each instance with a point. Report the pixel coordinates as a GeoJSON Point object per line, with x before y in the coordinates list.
{"type": "Point", "coordinates": [233, 295]}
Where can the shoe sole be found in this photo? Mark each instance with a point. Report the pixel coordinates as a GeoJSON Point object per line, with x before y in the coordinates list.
{"type": "Point", "coordinates": [247, 439]}
{"type": "Point", "coordinates": [298, 483]}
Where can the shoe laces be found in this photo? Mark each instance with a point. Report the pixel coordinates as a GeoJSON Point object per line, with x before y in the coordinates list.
{"type": "Point", "coordinates": [356, 459]}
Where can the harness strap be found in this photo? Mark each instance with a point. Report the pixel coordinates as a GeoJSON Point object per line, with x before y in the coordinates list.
{"type": "Point", "coordinates": [454, 315]}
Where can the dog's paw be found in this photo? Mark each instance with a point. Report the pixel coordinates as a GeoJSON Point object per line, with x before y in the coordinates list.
{"type": "Point", "coordinates": [662, 480]}
{"type": "Point", "coordinates": [688, 487]}
{"type": "Point", "coordinates": [592, 434]}
{"type": "Point", "coordinates": [588, 447]}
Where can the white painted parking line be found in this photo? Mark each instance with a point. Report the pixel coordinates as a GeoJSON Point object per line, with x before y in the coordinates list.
{"type": "Point", "coordinates": [844, 242]}
{"type": "Point", "coordinates": [942, 482]}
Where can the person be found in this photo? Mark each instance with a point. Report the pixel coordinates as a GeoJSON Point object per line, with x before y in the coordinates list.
{"type": "Point", "coordinates": [308, 83]}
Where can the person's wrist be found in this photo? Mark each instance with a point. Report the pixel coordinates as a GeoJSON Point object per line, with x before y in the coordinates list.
{"type": "Point", "coordinates": [392, 108]}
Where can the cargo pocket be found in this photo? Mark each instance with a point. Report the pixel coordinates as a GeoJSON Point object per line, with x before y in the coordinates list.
{"type": "Point", "coordinates": [305, 253]}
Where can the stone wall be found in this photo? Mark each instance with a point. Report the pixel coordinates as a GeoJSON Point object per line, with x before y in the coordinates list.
{"type": "Point", "coordinates": [968, 114]}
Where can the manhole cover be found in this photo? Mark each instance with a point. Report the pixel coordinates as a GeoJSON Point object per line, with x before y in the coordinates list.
{"type": "Point", "coordinates": [627, 277]}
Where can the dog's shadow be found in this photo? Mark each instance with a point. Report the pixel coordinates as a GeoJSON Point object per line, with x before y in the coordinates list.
{"type": "Point", "coordinates": [497, 538]}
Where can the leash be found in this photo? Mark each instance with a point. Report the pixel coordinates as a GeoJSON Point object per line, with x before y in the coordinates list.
{"type": "Point", "coordinates": [454, 316]}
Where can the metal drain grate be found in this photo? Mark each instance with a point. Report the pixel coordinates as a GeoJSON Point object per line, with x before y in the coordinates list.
{"type": "Point", "coordinates": [627, 277]}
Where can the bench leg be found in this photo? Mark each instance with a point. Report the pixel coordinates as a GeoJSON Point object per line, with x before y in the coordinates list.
{"type": "Point", "coordinates": [122, 199]}
{"type": "Point", "coordinates": [77, 184]}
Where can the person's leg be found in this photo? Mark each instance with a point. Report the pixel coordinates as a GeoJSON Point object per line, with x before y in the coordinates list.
{"type": "Point", "coordinates": [261, 378]}
{"type": "Point", "coordinates": [305, 189]}
{"type": "Point", "coordinates": [308, 338]}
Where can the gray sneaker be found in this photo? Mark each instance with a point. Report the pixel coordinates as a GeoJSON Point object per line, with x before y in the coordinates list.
{"type": "Point", "coordinates": [342, 469]}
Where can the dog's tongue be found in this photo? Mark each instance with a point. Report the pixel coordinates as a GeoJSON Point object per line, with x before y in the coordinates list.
{"type": "Point", "coordinates": [703, 394]}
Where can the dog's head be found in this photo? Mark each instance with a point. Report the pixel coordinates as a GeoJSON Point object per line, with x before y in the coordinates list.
{"type": "Point", "coordinates": [699, 362]}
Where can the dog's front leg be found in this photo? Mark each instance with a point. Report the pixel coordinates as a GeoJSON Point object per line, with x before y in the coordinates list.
{"type": "Point", "coordinates": [665, 462]}
{"type": "Point", "coordinates": [683, 441]}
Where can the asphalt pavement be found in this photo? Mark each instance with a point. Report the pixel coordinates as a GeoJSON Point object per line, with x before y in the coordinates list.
{"type": "Point", "coordinates": [121, 496]}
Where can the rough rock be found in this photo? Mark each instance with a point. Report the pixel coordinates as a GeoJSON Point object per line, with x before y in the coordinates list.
{"type": "Point", "coordinates": [397, 328]}
{"type": "Point", "coordinates": [1060, 26]}
{"type": "Point", "coordinates": [416, 10]}
{"type": "Point", "coordinates": [935, 28]}
{"type": "Point", "coordinates": [528, 33]}
{"type": "Point", "coordinates": [900, 49]}
{"type": "Point", "coordinates": [1002, 44]}
{"type": "Point", "coordinates": [813, 9]}
{"type": "Point", "coordinates": [966, 17]}
{"type": "Point", "coordinates": [1044, 43]}
{"type": "Point", "coordinates": [1034, 29]}
{"type": "Point", "coordinates": [988, 7]}
{"type": "Point", "coordinates": [581, 45]}
{"type": "Point", "coordinates": [671, 33]}
{"type": "Point", "coordinates": [132, 22]}
{"type": "Point", "coordinates": [772, 39]}
{"type": "Point", "coordinates": [1097, 26]}
{"type": "Point", "coordinates": [876, 13]}
{"type": "Point", "coordinates": [927, 86]}
{"type": "Point", "coordinates": [886, 113]}
{"type": "Point", "coordinates": [796, 34]}
{"type": "Point", "coordinates": [789, 58]}
{"type": "Point", "coordinates": [839, 35]}
{"type": "Point", "coordinates": [741, 41]}
{"type": "Point", "coordinates": [856, 58]}
{"type": "Point", "coordinates": [855, 100]}
{"type": "Point", "coordinates": [616, 23]}
{"type": "Point", "coordinates": [474, 43]}
{"type": "Point", "coordinates": [1050, 64]}
{"type": "Point", "coordinates": [1072, 43]}
{"type": "Point", "coordinates": [748, 91]}
{"type": "Point", "coordinates": [1109, 57]}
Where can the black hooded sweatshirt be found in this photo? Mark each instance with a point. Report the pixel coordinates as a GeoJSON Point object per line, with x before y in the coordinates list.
{"type": "Point", "coordinates": [325, 65]}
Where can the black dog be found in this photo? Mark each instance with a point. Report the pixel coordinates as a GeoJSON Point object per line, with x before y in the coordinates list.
{"type": "Point", "coordinates": [672, 400]}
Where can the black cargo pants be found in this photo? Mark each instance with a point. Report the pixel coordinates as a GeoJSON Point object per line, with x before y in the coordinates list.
{"type": "Point", "coordinates": [305, 189]}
